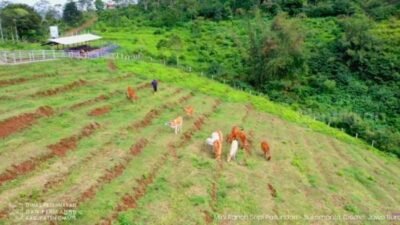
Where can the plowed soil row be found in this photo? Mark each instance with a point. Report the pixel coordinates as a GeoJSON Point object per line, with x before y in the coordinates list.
{"type": "Point", "coordinates": [115, 172]}
{"type": "Point", "coordinates": [23, 121]}
{"type": "Point", "coordinates": [129, 200]}
{"type": "Point", "coordinates": [100, 111]}
{"type": "Point", "coordinates": [61, 89]}
{"type": "Point", "coordinates": [21, 80]}
{"type": "Point", "coordinates": [92, 101]}
{"type": "Point", "coordinates": [56, 150]}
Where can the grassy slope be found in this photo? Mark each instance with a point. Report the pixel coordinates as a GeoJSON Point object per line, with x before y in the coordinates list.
{"type": "Point", "coordinates": [312, 172]}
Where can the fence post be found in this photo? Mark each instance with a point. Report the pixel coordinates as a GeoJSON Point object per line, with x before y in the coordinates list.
{"type": "Point", "coordinates": [33, 56]}
{"type": "Point", "coordinates": [15, 61]}
{"type": "Point", "coordinates": [373, 143]}
{"type": "Point", "coordinates": [44, 55]}
{"type": "Point", "coordinates": [54, 54]}
{"type": "Point", "coordinates": [356, 135]}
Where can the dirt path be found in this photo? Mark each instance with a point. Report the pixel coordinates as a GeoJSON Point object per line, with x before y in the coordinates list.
{"type": "Point", "coordinates": [85, 25]}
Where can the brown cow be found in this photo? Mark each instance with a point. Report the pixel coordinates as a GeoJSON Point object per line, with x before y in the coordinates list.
{"type": "Point", "coordinates": [131, 94]}
{"type": "Point", "coordinates": [237, 134]}
{"type": "Point", "coordinates": [217, 145]}
{"type": "Point", "coordinates": [266, 150]}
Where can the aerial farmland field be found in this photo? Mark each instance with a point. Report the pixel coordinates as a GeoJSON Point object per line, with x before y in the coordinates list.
{"type": "Point", "coordinates": [72, 140]}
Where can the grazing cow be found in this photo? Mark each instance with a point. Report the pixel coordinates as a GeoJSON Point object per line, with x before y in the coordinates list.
{"type": "Point", "coordinates": [233, 150]}
{"type": "Point", "coordinates": [176, 124]}
{"type": "Point", "coordinates": [266, 150]}
{"type": "Point", "coordinates": [216, 135]}
{"type": "Point", "coordinates": [189, 111]}
{"type": "Point", "coordinates": [237, 134]}
{"type": "Point", "coordinates": [131, 94]}
{"type": "Point", "coordinates": [215, 141]}
{"type": "Point", "coordinates": [234, 134]}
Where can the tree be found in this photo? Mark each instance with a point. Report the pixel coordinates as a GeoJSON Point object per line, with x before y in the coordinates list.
{"type": "Point", "coordinates": [173, 44]}
{"type": "Point", "coordinates": [278, 54]}
{"type": "Point", "coordinates": [20, 21]}
{"type": "Point", "coordinates": [85, 4]}
{"type": "Point", "coordinates": [71, 14]}
{"type": "Point", "coordinates": [42, 7]}
{"type": "Point", "coordinates": [99, 4]}
{"type": "Point", "coordinates": [357, 41]}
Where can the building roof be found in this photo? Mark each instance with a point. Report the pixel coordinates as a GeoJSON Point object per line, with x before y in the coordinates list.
{"type": "Point", "coordinates": [74, 39]}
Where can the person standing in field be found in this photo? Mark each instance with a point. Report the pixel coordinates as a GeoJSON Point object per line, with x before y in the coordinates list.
{"type": "Point", "coordinates": [154, 83]}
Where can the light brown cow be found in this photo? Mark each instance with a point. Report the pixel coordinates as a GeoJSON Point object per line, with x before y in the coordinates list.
{"type": "Point", "coordinates": [189, 111]}
{"type": "Point", "coordinates": [217, 146]}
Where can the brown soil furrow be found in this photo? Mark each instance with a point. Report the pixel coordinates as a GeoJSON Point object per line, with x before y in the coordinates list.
{"type": "Point", "coordinates": [272, 190]}
{"type": "Point", "coordinates": [130, 200]}
{"type": "Point", "coordinates": [58, 149]}
{"type": "Point", "coordinates": [100, 111]}
{"type": "Point", "coordinates": [115, 172]}
{"type": "Point", "coordinates": [23, 121]}
{"type": "Point", "coordinates": [92, 101]}
{"type": "Point", "coordinates": [21, 80]}
{"type": "Point", "coordinates": [214, 188]}
{"type": "Point", "coordinates": [61, 89]}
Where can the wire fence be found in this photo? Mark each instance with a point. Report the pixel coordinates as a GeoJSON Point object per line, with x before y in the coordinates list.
{"type": "Point", "coordinates": [31, 56]}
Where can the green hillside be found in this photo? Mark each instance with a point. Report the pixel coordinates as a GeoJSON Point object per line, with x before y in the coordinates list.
{"type": "Point", "coordinates": [337, 61]}
{"type": "Point", "coordinates": [69, 135]}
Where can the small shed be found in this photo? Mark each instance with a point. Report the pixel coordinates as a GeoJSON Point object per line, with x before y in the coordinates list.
{"type": "Point", "coordinates": [74, 40]}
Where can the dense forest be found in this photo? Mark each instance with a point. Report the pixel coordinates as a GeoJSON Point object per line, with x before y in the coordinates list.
{"type": "Point", "coordinates": [336, 60]}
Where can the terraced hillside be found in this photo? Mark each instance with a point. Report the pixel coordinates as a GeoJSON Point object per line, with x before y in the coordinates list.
{"type": "Point", "coordinates": [71, 141]}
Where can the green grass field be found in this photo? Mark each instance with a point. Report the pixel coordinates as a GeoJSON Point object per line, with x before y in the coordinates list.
{"type": "Point", "coordinates": [126, 167]}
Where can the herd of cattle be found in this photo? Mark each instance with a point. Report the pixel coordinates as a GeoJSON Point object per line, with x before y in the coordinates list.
{"type": "Point", "coordinates": [237, 137]}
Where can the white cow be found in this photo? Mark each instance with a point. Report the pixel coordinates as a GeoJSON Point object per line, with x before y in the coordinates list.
{"type": "Point", "coordinates": [233, 151]}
